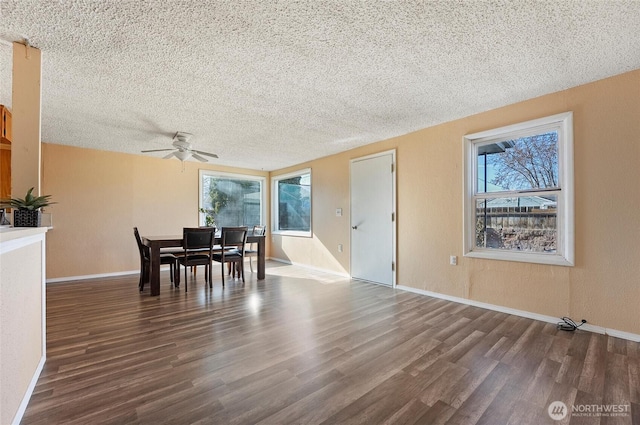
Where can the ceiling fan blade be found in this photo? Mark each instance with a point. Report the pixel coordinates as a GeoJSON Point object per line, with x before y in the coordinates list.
{"type": "Point", "coordinates": [156, 150]}
{"type": "Point", "coordinates": [212, 155]}
{"type": "Point", "coordinates": [168, 156]}
{"type": "Point", "coordinates": [198, 157]}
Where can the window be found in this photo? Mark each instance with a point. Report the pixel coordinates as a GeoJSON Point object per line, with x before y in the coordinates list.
{"type": "Point", "coordinates": [231, 199]}
{"type": "Point", "coordinates": [292, 203]}
{"type": "Point", "coordinates": [518, 203]}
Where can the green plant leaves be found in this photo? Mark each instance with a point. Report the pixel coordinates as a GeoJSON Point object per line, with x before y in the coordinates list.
{"type": "Point", "coordinates": [29, 202]}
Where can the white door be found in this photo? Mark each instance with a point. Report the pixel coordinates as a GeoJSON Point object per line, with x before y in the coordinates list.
{"type": "Point", "coordinates": [373, 218]}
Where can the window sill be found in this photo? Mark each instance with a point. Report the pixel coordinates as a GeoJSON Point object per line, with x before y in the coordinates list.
{"type": "Point", "coordinates": [292, 233]}
{"type": "Point", "coordinates": [550, 259]}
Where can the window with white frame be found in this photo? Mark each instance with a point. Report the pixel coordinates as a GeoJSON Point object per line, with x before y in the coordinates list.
{"type": "Point", "coordinates": [231, 199]}
{"type": "Point", "coordinates": [291, 202]}
{"type": "Point", "coordinates": [518, 187]}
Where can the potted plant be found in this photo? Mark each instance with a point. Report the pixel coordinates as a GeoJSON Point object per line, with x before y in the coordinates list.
{"type": "Point", "coordinates": [209, 220]}
{"type": "Point", "coordinates": [26, 211]}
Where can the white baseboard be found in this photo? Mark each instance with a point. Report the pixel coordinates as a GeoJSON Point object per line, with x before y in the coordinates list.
{"type": "Point", "coordinates": [98, 275]}
{"type": "Point", "coordinates": [306, 266]}
{"type": "Point", "coordinates": [27, 395]}
{"type": "Point", "coordinates": [91, 276]}
{"type": "Point", "coordinates": [522, 313]}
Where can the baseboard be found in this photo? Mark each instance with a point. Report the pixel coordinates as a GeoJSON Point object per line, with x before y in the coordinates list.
{"type": "Point", "coordinates": [91, 276]}
{"type": "Point", "coordinates": [27, 395]}
{"type": "Point", "coordinates": [164, 268]}
{"type": "Point", "coordinates": [522, 313]}
{"type": "Point", "coordinates": [98, 275]}
{"type": "Point", "coordinates": [613, 332]}
{"type": "Point", "coordinates": [306, 266]}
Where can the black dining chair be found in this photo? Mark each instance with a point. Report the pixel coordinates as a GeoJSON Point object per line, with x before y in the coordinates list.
{"type": "Point", "coordinates": [145, 262]}
{"type": "Point", "coordinates": [233, 241]}
{"type": "Point", "coordinates": [197, 244]}
{"type": "Point", "coordinates": [252, 250]}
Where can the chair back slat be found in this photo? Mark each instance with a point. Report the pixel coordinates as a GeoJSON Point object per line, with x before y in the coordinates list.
{"type": "Point", "coordinates": [197, 237]}
{"type": "Point", "coordinates": [234, 237]}
{"type": "Point", "coordinates": [259, 230]}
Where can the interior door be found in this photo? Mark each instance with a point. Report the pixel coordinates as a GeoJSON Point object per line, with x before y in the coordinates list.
{"type": "Point", "coordinates": [373, 218]}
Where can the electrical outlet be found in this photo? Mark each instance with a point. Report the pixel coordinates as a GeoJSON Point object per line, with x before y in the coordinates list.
{"type": "Point", "coordinates": [338, 212]}
{"type": "Point", "coordinates": [453, 260]}
{"type": "Point", "coordinates": [339, 247]}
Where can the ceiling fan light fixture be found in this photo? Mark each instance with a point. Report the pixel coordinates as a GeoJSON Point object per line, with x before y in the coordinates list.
{"type": "Point", "coordinates": [183, 155]}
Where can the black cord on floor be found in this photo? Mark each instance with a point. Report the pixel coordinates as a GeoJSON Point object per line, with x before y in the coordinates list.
{"type": "Point", "coordinates": [569, 325]}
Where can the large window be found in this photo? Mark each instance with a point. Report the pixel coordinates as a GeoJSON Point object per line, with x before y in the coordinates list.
{"type": "Point", "coordinates": [519, 192]}
{"type": "Point", "coordinates": [292, 203]}
{"type": "Point", "coordinates": [231, 199]}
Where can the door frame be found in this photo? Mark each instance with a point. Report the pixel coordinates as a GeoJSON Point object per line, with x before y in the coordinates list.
{"type": "Point", "coordinates": [394, 225]}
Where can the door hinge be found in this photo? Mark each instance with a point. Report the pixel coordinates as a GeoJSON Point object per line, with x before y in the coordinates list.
{"type": "Point", "coordinates": [393, 216]}
{"type": "Point", "coordinates": [392, 167]}
{"type": "Point", "coordinates": [393, 266]}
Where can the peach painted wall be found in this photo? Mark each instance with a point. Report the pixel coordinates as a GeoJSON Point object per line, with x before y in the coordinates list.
{"type": "Point", "coordinates": [21, 317]}
{"type": "Point", "coordinates": [25, 151]}
{"type": "Point", "coordinates": [603, 286]}
{"type": "Point", "coordinates": [101, 195]}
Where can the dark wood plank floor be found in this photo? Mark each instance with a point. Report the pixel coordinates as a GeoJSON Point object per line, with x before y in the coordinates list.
{"type": "Point", "coordinates": [302, 348]}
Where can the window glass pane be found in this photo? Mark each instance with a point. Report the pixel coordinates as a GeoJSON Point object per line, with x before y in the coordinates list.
{"type": "Point", "coordinates": [294, 203]}
{"type": "Point", "coordinates": [232, 202]}
{"type": "Point", "coordinates": [524, 223]}
{"type": "Point", "coordinates": [526, 163]}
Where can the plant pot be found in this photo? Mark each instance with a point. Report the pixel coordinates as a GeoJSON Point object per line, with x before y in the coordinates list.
{"type": "Point", "coordinates": [26, 218]}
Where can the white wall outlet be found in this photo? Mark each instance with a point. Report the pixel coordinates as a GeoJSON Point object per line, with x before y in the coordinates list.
{"type": "Point", "coordinates": [339, 247]}
{"type": "Point", "coordinates": [453, 260]}
{"type": "Point", "coordinates": [338, 212]}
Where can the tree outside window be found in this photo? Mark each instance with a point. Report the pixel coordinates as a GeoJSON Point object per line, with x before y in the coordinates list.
{"type": "Point", "coordinates": [231, 200]}
{"type": "Point", "coordinates": [525, 222]}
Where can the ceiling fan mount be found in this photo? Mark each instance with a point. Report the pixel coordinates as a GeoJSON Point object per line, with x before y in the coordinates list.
{"type": "Point", "coordinates": [182, 149]}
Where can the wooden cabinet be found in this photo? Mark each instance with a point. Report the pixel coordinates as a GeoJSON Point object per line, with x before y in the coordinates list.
{"type": "Point", "coordinates": [5, 124]}
{"type": "Point", "coordinates": [5, 152]}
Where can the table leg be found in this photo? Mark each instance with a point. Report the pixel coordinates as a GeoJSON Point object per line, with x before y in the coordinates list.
{"type": "Point", "coordinates": [261, 258]}
{"type": "Point", "coordinates": [155, 269]}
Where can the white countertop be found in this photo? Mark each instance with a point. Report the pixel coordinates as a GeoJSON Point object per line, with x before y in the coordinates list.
{"type": "Point", "coordinates": [10, 233]}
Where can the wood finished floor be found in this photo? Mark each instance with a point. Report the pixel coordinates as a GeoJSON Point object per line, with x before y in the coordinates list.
{"type": "Point", "coordinates": [301, 348]}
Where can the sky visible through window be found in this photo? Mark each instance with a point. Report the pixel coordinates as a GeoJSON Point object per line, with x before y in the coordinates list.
{"type": "Point", "coordinates": [526, 163]}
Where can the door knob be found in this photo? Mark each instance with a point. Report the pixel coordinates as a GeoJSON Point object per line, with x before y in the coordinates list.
{"type": "Point", "coordinates": [354, 227]}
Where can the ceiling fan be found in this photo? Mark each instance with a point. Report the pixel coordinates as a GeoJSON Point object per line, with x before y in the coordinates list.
{"type": "Point", "coordinates": [182, 149]}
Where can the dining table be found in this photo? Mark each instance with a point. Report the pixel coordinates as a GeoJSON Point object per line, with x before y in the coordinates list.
{"type": "Point", "coordinates": [155, 243]}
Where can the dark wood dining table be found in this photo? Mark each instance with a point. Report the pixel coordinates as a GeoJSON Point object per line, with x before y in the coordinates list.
{"type": "Point", "coordinates": [155, 243]}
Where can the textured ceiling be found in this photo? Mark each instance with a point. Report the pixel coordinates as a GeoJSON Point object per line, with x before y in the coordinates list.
{"type": "Point", "coordinates": [268, 84]}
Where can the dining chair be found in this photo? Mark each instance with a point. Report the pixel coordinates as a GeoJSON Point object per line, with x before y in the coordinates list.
{"type": "Point", "coordinates": [252, 251]}
{"type": "Point", "coordinates": [180, 251]}
{"type": "Point", "coordinates": [233, 241]}
{"type": "Point", "coordinates": [145, 262]}
{"type": "Point", "coordinates": [197, 245]}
